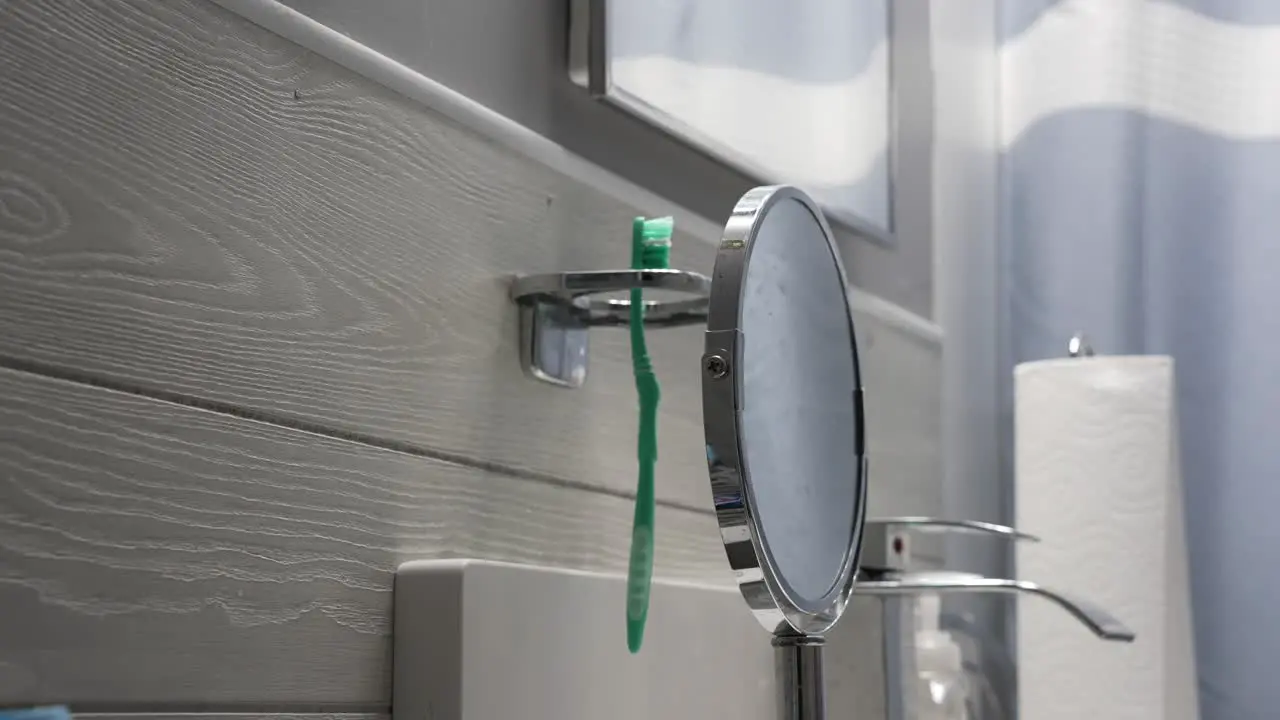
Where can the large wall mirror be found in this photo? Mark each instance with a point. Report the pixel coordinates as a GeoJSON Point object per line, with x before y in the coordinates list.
{"type": "Point", "coordinates": [788, 91]}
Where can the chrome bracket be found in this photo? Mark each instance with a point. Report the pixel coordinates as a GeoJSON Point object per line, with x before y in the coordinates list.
{"type": "Point", "coordinates": [557, 310]}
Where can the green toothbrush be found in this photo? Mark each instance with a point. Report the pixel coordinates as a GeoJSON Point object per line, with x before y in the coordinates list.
{"type": "Point", "coordinates": [650, 250]}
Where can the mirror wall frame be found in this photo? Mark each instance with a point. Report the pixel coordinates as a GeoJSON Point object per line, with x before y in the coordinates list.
{"type": "Point", "coordinates": [589, 68]}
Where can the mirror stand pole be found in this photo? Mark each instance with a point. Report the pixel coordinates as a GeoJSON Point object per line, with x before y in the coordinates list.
{"type": "Point", "coordinates": [801, 693]}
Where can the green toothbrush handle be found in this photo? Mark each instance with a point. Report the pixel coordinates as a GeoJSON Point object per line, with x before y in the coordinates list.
{"type": "Point", "coordinates": [640, 568]}
{"type": "Point", "coordinates": [650, 249]}
{"type": "Point", "coordinates": [640, 572]}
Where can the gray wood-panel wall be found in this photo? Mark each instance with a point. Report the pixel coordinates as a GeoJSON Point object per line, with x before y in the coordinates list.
{"type": "Point", "coordinates": [257, 350]}
{"type": "Point", "coordinates": [509, 55]}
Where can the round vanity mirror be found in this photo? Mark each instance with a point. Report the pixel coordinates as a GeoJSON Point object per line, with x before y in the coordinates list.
{"type": "Point", "coordinates": [782, 409]}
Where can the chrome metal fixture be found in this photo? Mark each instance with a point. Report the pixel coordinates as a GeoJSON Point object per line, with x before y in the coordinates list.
{"type": "Point", "coordinates": [887, 571]}
{"type": "Point", "coordinates": [557, 310]}
{"type": "Point", "coordinates": [783, 418]}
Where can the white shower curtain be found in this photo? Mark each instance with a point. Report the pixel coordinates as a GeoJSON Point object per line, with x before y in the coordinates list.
{"type": "Point", "coordinates": [1140, 203]}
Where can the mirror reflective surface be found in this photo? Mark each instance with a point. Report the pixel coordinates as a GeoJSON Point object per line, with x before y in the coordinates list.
{"type": "Point", "coordinates": [782, 410]}
{"type": "Point", "coordinates": [798, 92]}
{"type": "Point", "coordinates": [798, 385]}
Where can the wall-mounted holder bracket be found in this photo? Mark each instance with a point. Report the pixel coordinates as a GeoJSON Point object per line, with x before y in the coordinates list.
{"type": "Point", "coordinates": [557, 310]}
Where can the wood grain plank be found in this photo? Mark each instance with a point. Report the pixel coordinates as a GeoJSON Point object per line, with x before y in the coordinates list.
{"type": "Point", "coordinates": [158, 555]}
{"type": "Point", "coordinates": [191, 204]}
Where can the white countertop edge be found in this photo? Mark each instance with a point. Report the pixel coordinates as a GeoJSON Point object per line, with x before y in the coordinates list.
{"type": "Point", "coordinates": [363, 60]}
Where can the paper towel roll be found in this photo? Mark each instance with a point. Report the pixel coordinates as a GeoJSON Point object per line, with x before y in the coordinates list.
{"type": "Point", "coordinates": [1097, 478]}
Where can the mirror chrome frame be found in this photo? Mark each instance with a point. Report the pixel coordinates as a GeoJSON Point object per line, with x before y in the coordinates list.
{"type": "Point", "coordinates": [767, 594]}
